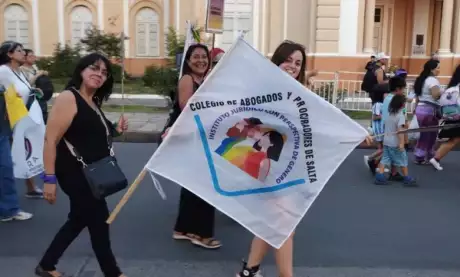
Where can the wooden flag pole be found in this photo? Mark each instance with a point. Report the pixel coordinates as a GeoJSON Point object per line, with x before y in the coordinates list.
{"type": "Point", "coordinates": [127, 196]}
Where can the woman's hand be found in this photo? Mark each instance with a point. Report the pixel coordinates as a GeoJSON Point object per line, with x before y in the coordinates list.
{"type": "Point", "coordinates": [42, 72]}
{"type": "Point", "coordinates": [122, 124]}
{"type": "Point", "coordinates": [49, 193]}
{"type": "Point", "coordinates": [165, 133]}
{"type": "Point", "coordinates": [369, 140]}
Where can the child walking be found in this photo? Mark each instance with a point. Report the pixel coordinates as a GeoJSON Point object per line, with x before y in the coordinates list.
{"type": "Point", "coordinates": [377, 130]}
{"type": "Point", "coordinates": [394, 151]}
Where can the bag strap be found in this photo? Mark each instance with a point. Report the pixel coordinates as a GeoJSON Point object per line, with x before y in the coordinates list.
{"type": "Point", "coordinates": [74, 151]}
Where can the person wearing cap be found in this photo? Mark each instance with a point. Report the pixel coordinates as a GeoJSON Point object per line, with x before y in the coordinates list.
{"type": "Point", "coordinates": [370, 64]}
{"type": "Point", "coordinates": [381, 63]}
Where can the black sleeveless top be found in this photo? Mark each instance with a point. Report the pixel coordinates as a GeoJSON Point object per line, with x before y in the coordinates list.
{"type": "Point", "coordinates": [88, 135]}
{"type": "Point", "coordinates": [176, 110]}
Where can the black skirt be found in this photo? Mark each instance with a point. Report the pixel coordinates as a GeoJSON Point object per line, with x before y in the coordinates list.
{"type": "Point", "coordinates": [451, 132]}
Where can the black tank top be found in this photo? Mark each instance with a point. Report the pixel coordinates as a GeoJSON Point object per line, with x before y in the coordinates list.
{"type": "Point", "coordinates": [88, 135]}
{"type": "Point", "coordinates": [176, 110]}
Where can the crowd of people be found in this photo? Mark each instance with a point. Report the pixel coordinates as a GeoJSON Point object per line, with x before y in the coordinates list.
{"type": "Point", "coordinates": [77, 122]}
{"type": "Point", "coordinates": [76, 119]}
{"type": "Point", "coordinates": [434, 106]}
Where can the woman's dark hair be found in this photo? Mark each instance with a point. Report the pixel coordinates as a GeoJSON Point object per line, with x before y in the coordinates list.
{"type": "Point", "coordinates": [102, 93]}
{"type": "Point", "coordinates": [28, 51]}
{"type": "Point", "coordinates": [274, 151]}
{"type": "Point", "coordinates": [284, 50]}
{"type": "Point", "coordinates": [427, 72]}
{"type": "Point", "coordinates": [397, 103]}
{"type": "Point", "coordinates": [185, 67]}
{"type": "Point", "coordinates": [6, 48]}
{"type": "Point", "coordinates": [455, 80]}
{"type": "Point", "coordinates": [397, 82]}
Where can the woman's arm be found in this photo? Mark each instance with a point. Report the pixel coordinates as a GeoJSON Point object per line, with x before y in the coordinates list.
{"type": "Point", "coordinates": [379, 73]}
{"type": "Point", "coordinates": [185, 90]}
{"type": "Point", "coordinates": [62, 113]}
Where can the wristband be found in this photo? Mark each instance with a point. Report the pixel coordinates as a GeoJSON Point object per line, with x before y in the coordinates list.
{"type": "Point", "coordinates": [48, 178]}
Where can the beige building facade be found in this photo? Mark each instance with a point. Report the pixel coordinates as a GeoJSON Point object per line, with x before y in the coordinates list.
{"type": "Point", "coordinates": [340, 35]}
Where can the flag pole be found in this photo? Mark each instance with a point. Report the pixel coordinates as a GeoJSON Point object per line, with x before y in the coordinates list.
{"type": "Point", "coordinates": [126, 196]}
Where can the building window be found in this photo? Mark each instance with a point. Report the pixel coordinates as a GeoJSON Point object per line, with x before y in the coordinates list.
{"type": "Point", "coordinates": [16, 22]}
{"type": "Point", "coordinates": [238, 17]}
{"type": "Point", "coordinates": [378, 15]}
{"type": "Point", "coordinates": [82, 20]}
{"type": "Point", "coordinates": [147, 33]}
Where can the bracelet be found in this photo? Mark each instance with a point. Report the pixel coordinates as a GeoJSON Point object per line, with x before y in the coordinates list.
{"type": "Point", "coordinates": [49, 178]}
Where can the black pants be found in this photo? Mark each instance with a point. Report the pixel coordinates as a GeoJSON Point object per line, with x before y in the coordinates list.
{"type": "Point", "coordinates": [85, 211]}
{"type": "Point", "coordinates": [195, 216]}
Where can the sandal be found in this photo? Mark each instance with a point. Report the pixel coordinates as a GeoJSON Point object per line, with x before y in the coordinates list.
{"type": "Point", "coordinates": [42, 273]}
{"type": "Point", "coordinates": [208, 243]}
{"type": "Point", "coordinates": [182, 236]}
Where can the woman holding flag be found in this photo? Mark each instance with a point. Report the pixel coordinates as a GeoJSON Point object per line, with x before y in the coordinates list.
{"type": "Point", "coordinates": [12, 58]}
{"type": "Point", "coordinates": [291, 58]}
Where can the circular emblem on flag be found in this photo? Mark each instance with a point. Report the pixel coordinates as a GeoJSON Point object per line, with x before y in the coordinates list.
{"type": "Point", "coordinates": [28, 148]}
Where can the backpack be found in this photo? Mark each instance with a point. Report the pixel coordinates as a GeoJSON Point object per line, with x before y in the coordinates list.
{"type": "Point", "coordinates": [369, 80]}
{"type": "Point", "coordinates": [450, 105]}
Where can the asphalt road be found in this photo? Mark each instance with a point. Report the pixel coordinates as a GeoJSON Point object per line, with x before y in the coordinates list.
{"type": "Point", "coordinates": [354, 229]}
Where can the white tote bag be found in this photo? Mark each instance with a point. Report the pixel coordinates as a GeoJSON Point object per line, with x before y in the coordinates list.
{"type": "Point", "coordinates": [28, 142]}
{"type": "Point", "coordinates": [413, 125]}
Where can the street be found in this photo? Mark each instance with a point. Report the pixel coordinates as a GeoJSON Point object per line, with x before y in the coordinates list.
{"type": "Point", "coordinates": [354, 229]}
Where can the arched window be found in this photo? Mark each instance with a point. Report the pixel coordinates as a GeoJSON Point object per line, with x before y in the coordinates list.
{"type": "Point", "coordinates": [16, 22]}
{"type": "Point", "coordinates": [238, 17]}
{"type": "Point", "coordinates": [82, 20]}
{"type": "Point", "coordinates": [147, 33]}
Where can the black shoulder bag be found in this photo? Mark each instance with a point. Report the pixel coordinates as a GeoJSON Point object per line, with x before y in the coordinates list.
{"type": "Point", "coordinates": [104, 176]}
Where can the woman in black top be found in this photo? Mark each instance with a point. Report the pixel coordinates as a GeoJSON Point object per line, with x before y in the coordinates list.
{"type": "Point", "coordinates": [74, 118]}
{"type": "Point", "coordinates": [195, 221]}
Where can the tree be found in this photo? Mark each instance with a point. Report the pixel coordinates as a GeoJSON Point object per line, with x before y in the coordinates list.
{"type": "Point", "coordinates": [98, 41]}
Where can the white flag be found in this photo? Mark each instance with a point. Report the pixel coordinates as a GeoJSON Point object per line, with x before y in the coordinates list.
{"type": "Point", "coordinates": [189, 40]}
{"type": "Point", "coordinates": [28, 142]}
{"type": "Point", "coordinates": [256, 144]}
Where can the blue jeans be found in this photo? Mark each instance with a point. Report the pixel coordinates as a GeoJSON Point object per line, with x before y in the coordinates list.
{"type": "Point", "coordinates": [9, 202]}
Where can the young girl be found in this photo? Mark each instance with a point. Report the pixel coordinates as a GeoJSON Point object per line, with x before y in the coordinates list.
{"type": "Point", "coordinates": [372, 161]}
{"type": "Point", "coordinates": [394, 151]}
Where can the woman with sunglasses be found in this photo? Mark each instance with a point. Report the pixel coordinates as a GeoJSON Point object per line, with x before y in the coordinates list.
{"type": "Point", "coordinates": [11, 58]}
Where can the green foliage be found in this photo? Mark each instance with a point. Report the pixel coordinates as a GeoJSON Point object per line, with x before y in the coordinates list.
{"type": "Point", "coordinates": [62, 63]}
{"type": "Point", "coordinates": [98, 41]}
{"type": "Point", "coordinates": [174, 43]}
{"type": "Point", "coordinates": [326, 90]}
{"type": "Point", "coordinates": [163, 79]}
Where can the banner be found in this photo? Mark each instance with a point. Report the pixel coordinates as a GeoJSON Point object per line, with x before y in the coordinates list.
{"type": "Point", "coordinates": [28, 142]}
{"type": "Point", "coordinates": [189, 40]}
{"type": "Point", "coordinates": [256, 144]}
{"type": "Point", "coordinates": [14, 106]}
{"type": "Point", "coordinates": [215, 16]}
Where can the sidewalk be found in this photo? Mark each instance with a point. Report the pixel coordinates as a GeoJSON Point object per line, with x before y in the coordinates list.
{"type": "Point", "coordinates": [146, 127]}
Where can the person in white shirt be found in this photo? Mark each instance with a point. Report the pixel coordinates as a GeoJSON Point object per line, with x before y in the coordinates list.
{"type": "Point", "coordinates": [10, 53]}
{"type": "Point", "coordinates": [10, 74]}
{"type": "Point", "coordinates": [428, 90]}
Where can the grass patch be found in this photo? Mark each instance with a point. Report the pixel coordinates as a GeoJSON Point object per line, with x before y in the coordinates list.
{"type": "Point", "coordinates": [135, 86]}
